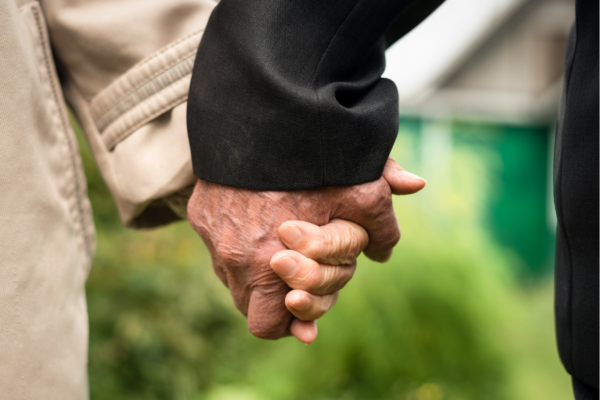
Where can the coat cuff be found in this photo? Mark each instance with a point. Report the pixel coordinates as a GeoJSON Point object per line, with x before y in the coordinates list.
{"type": "Point", "coordinates": [289, 95]}
{"type": "Point", "coordinates": [137, 133]}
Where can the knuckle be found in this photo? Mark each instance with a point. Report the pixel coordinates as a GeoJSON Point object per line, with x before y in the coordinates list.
{"type": "Point", "coordinates": [349, 247]}
{"type": "Point", "coordinates": [261, 259]}
{"type": "Point", "coordinates": [313, 280]}
{"type": "Point", "coordinates": [341, 276]}
{"type": "Point", "coordinates": [325, 279]}
{"type": "Point", "coordinates": [314, 247]}
{"type": "Point", "coordinates": [229, 253]}
{"type": "Point", "coordinates": [319, 312]}
{"type": "Point", "coordinates": [321, 309]}
{"type": "Point", "coordinates": [378, 206]}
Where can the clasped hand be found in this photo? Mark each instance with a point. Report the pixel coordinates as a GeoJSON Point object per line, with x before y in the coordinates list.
{"type": "Point", "coordinates": [284, 255]}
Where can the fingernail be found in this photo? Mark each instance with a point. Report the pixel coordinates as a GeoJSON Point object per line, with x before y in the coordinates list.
{"type": "Point", "coordinates": [285, 267]}
{"type": "Point", "coordinates": [412, 176]}
{"type": "Point", "coordinates": [290, 234]}
{"type": "Point", "coordinates": [300, 302]}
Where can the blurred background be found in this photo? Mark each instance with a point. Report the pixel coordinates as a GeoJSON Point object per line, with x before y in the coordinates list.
{"type": "Point", "coordinates": [463, 310]}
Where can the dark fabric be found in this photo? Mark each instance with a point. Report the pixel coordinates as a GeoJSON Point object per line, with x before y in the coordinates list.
{"type": "Point", "coordinates": [584, 391]}
{"type": "Point", "coordinates": [412, 16]}
{"type": "Point", "coordinates": [289, 94]}
{"type": "Point", "coordinates": [576, 198]}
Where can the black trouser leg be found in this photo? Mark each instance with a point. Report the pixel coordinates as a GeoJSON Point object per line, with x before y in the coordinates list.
{"type": "Point", "coordinates": [583, 391]}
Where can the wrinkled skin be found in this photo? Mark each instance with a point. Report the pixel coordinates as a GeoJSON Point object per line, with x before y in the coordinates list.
{"type": "Point", "coordinates": [241, 230]}
{"type": "Point", "coordinates": [320, 262]}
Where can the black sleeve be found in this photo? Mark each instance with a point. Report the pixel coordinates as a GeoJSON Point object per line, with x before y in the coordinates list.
{"type": "Point", "coordinates": [289, 94]}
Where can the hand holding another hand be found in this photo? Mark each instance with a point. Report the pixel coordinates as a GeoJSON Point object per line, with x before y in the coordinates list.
{"type": "Point", "coordinates": [320, 262]}
{"type": "Point", "coordinates": [240, 228]}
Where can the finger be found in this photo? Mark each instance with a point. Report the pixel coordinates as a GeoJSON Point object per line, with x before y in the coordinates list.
{"type": "Point", "coordinates": [304, 331]}
{"type": "Point", "coordinates": [370, 206]}
{"type": "Point", "coordinates": [268, 318]}
{"type": "Point", "coordinates": [400, 180]}
{"type": "Point", "coordinates": [300, 272]}
{"type": "Point", "coordinates": [337, 243]}
{"type": "Point", "coordinates": [308, 307]}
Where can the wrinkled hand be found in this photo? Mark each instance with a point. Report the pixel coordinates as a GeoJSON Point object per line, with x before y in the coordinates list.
{"type": "Point", "coordinates": [240, 228]}
{"type": "Point", "coordinates": [320, 262]}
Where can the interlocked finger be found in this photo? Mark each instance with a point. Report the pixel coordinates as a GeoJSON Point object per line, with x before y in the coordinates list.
{"type": "Point", "coordinates": [300, 272]}
{"type": "Point", "coordinates": [304, 331]}
{"type": "Point", "coordinates": [337, 243]}
{"type": "Point", "coordinates": [309, 307]}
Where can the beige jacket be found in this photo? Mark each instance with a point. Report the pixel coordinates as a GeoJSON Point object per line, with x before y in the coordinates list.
{"type": "Point", "coordinates": [125, 68]}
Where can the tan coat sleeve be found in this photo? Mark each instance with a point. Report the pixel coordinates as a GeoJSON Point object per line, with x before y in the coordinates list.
{"type": "Point", "coordinates": [125, 68]}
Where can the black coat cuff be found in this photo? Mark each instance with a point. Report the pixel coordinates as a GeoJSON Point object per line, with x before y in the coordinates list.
{"type": "Point", "coordinates": [289, 95]}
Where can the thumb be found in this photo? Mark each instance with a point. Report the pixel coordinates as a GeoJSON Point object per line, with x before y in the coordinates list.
{"type": "Point", "coordinates": [401, 181]}
{"type": "Point", "coordinates": [268, 318]}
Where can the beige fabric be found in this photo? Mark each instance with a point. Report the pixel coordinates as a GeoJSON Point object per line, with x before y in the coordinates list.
{"type": "Point", "coordinates": [46, 230]}
{"type": "Point", "coordinates": [126, 67]}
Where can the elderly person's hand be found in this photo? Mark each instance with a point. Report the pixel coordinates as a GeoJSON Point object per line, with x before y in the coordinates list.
{"type": "Point", "coordinates": [320, 262]}
{"type": "Point", "coordinates": [240, 228]}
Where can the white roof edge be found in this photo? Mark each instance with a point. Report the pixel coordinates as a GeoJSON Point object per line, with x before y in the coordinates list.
{"type": "Point", "coordinates": [433, 50]}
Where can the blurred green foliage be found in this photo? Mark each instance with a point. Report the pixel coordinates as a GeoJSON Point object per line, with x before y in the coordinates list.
{"type": "Point", "coordinates": [443, 320]}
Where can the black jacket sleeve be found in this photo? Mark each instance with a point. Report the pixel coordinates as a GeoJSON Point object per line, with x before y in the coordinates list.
{"type": "Point", "coordinates": [289, 94]}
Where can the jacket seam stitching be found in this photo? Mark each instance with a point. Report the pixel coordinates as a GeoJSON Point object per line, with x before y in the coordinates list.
{"type": "Point", "coordinates": [113, 143]}
{"type": "Point", "coordinates": [154, 74]}
{"type": "Point", "coordinates": [35, 11]}
{"type": "Point", "coordinates": [145, 119]}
